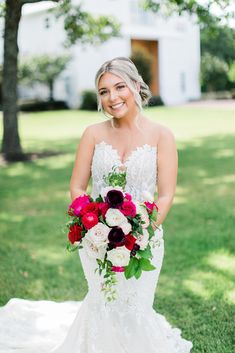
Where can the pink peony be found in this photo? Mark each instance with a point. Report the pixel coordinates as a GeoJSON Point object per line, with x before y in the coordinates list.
{"type": "Point", "coordinates": [89, 220]}
{"type": "Point", "coordinates": [128, 197]}
{"type": "Point", "coordinates": [128, 209]}
{"type": "Point", "coordinates": [77, 204]}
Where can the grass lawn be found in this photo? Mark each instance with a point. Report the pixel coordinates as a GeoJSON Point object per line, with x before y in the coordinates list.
{"type": "Point", "coordinates": [196, 290]}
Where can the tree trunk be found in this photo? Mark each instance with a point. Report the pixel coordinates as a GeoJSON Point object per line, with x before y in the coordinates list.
{"type": "Point", "coordinates": [51, 90]}
{"type": "Point", "coordinates": [11, 146]}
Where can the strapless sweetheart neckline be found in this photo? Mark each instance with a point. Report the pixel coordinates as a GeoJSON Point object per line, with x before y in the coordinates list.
{"type": "Point", "coordinates": [132, 152]}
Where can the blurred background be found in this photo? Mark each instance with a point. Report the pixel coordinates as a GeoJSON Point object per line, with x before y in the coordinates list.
{"type": "Point", "coordinates": [185, 51]}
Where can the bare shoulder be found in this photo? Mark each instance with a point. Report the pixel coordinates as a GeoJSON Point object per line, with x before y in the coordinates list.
{"type": "Point", "coordinates": [95, 131]}
{"type": "Point", "coordinates": [160, 132]}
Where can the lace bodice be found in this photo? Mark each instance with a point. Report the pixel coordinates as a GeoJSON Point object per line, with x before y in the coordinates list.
{"type": "Point", "coordinates": [140, 166]}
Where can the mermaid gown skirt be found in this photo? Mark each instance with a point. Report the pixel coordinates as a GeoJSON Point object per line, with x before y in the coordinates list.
{"type": "Point", "coordinates": [127, 325]}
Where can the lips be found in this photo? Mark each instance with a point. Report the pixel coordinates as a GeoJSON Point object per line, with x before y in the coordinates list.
{"type": "Point", "coordinates": [117, 106]}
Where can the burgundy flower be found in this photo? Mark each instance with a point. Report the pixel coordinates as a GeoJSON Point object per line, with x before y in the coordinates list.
{"type": "Point", "coordinates": [114, 198]}
{"type": "Point", "coordinates": [116, 237]}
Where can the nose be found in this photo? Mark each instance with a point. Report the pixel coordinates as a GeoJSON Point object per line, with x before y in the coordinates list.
{"type": "Point", "coordinates": [113, 95]}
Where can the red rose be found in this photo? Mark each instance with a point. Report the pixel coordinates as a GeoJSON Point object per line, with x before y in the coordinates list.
{"type": "Point", "coordinates": [129, 241]}
{"type": "Point", "coordinates": [75, 233]}
{"type": "Point", "coordinates": [150, 206]}
{"type": "Point", "coordinates": [89, 220]}
{"type": "Point", "coordinates": [103, 207]}
{"type": "Point", "coordinates": [128, 209]}
{"type": "Point", "coordinates": [91, 207]}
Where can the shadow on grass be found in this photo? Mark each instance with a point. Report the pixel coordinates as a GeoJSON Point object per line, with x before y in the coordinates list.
{"type": "Point", "coordinates": [196, 290]}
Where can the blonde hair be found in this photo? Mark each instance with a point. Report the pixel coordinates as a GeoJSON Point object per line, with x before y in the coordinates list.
{"type": "Point", "coordinates": [126, 69]}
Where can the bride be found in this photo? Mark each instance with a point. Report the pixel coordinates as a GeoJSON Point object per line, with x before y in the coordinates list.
{"type": "Point", "coordinates": [146, 151]}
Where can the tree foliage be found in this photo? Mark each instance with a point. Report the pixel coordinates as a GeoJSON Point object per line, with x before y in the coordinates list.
{"type": "Point", "coordinates": [204, 11]}
{"type": "Point", "coordinates": [81, 26]}
{"type": "Point", "coordinates": [44, 69]}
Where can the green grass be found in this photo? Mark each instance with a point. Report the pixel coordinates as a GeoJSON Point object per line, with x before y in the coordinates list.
{"type": "Point", "coordinates": [196, 290]}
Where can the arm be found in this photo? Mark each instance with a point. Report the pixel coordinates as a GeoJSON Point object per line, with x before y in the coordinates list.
{"type": "Point", "coordinates": [167, 173]}
{"type": "Point", "coordinates": [82, 165]}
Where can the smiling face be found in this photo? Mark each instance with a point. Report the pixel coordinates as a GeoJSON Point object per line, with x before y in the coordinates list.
{"type": "Point", "coordinates": [116, 97]}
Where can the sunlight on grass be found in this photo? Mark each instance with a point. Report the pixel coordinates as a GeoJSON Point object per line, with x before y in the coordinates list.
{"type": "Point", "coordinates": [17, 218]}
{"type": "Point", "coordinates": [49, 256]}
{"type": "Point", "coordinates": [222, 261]}
{"type": "Point", "coordinates": [224, 153]}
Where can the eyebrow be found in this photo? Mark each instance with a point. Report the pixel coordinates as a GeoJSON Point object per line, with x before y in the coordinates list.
{"type": "Point", "coordinates": [118, 83]}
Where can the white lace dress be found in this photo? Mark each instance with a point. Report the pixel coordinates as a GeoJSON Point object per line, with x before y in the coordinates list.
{"type": "Point", "coordinates": [127, 325]}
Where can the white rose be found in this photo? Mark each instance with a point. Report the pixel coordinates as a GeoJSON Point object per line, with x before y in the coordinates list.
{"type": "Point", "coordinates": [126, 227]}
{"type": "Point", "coordinates": [143, 214]}
{"type": "Point", "coordinates": [114, 217]}
{"type": "Point", "coordinates": [97, 252]}
{"type": "Point", "coordinates": [143, 239]}
{"type": "Point", "coordinates": [147, 196]}
{"type": "Point", "coordinates": [105, 190]}
{"type": "Point", "coordinates": [98, 234]}
{"type": "Point", "coordinates": [119, 256]}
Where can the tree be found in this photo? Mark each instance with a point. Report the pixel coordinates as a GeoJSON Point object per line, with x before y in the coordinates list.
{"type": "Point", "coordinates": [204, 11]}
{"type": "Point", "coordinates": [214, 73]}
{"type": "Point", "coordinates": [44, 69]}
{"type": "Point", "coordinates": [218, 55]}
{"type": "Point", "coordinates": [78, 27]}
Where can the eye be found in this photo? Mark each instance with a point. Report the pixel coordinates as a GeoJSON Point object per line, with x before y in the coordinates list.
{"type": "Point", "coordinates": [120, 87]}
{"type": "Point", "coordinates": [102, 93]}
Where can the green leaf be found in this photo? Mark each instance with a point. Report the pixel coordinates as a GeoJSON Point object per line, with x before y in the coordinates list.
{"type": "Point", "coordinates": [150, 231]}
{"type": "Point", "coordinates": [132, 267]}
{"type": "Point", "coordinates": [153, 215]}
{"type": "Point", "coordinates": [138, 272]}
{"type": "Point", "coordinates": [146, 253]}
{"type": "Point", "coordinates": [146, 265]}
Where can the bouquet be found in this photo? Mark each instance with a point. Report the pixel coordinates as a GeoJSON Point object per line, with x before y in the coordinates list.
{"type": "Point", "coordinates": [115, 230]}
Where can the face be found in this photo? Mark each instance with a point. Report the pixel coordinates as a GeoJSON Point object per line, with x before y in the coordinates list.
{"type": "Point", "coordinates": [116, 97]}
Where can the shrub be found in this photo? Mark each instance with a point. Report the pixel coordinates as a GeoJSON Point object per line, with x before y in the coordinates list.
{"type": "Point", "coordinates": [143, 62]}
{"type": "Point", "coordinates": [37, 105]}
{"type": "Point", "coordinates": [88, 100]}
{"type": "Point", "coordinates": [155, 101]}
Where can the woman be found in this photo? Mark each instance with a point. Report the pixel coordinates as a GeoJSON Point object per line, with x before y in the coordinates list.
{"type": "Point", "coordinates": [146, 151]}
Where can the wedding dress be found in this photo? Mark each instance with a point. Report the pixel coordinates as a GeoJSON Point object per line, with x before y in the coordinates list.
{"type": "Point", "coordinates": [127, 325]}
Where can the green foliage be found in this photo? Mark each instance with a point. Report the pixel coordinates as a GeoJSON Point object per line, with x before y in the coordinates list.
{"type": "Point", "coordinates": [214, 73]}
{"type": "Point", "coordinates": [231, 73]}
{"type": "Point", "coordinates": [203, 10]}
{"type": "Point", "coordinates": [88, 100]}
{"type": "Point", "coordinates": [219, 42]}
{"type": "Point", "coordinates": [44, 69]}
{"type": "Point", "coordinates": [116, 178]}
{"type": "Point", "coordinates": [83, 27]}
{"type": "Point", "coordinates": [143, 62]}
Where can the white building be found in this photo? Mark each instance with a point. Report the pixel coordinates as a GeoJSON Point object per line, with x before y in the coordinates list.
{"type": "Point", "coordinates": [173, 43]}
